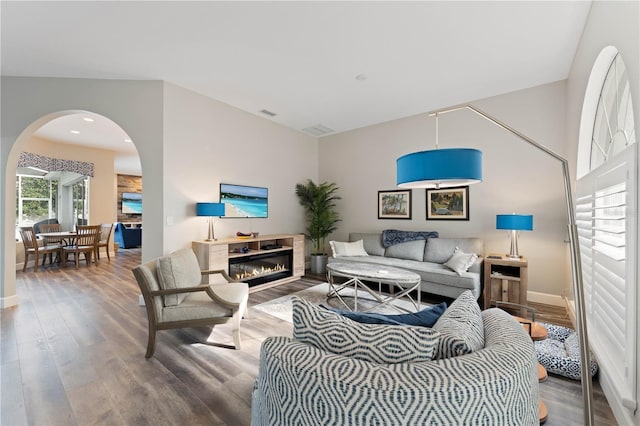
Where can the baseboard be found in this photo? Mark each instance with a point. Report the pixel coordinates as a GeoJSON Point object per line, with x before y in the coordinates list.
{"type": "Point", "coordinates": [9, 301]}
{"type": "Point", "coordinates": [545, 298]}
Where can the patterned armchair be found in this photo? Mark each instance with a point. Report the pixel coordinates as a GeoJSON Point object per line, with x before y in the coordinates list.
{"type": "Point", "coordinates": [300, 384]}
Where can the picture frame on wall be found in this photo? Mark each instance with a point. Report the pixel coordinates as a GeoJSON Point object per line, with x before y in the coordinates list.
{"type": "Point", "coordinates": [448, 203]}
{"type": "Point", "coordinates": [395, 204]}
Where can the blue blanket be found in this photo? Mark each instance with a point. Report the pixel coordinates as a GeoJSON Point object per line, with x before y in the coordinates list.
{"type": "Point", "coordinates": [394, 236]}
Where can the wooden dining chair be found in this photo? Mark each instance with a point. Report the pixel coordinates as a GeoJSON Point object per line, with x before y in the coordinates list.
{"type": "Point", "coordinates": [31, 247]}
{"type": "Point", "coordinates": [85, 241]}
{"type": "Point", "coordinates": [51, 241]}
{"type": "Point", "coordinates": [105, 235]}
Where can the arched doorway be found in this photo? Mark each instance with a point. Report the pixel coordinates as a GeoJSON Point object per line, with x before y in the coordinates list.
{"type": "Point", "coordinates": [68, 137]}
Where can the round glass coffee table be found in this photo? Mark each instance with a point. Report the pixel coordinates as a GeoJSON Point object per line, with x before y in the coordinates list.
{"type": "Point", "coordinates": [356, 272]}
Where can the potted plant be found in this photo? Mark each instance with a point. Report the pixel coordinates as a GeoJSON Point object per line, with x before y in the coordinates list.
{"type": "Point", "coordinates": [321, 216]}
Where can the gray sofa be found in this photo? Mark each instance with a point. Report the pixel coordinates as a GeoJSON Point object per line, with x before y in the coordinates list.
{"type": "Point", "coordinates": [426, 258]}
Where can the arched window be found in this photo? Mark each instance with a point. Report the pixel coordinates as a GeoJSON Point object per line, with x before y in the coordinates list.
{"type": "Point", "coordinates": [605, 214]}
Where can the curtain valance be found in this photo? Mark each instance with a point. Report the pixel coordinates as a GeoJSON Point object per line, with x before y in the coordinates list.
{"type": "Point", "coordinates": [29, 159]}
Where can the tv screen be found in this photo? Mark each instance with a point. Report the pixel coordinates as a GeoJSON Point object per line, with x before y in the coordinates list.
{"type": "Point", "coordinates": [244, 201]}
{"type": "Point", "coordinates": [131, 203]}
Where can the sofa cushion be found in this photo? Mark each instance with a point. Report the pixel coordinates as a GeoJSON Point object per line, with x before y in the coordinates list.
{"type": "Point", "coordinates": [439, 250]}
{"type": "Point", "coordinates": [383, 344]}
{"type": "Point", "coordinates": [341, 249]}
{"type": "Point", "coordinates": [372, 242]}
{"type": "Point", "coordinates": [427, 317]}
{"type": "Point", "coordinates": [411, 250]}
{"type": "Point", "coordinates": [460, 262]}
{"type": "Point", "coordinates": [179, 269]}
{"type": "Point", "coordinates": [461, 328]}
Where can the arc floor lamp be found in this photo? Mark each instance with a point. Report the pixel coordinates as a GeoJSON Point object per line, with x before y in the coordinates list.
{"type": "Point", "coordinates": [452, 167]}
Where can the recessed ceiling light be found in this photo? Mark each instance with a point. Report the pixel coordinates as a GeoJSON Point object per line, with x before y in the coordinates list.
{"type": "Point", "coordinates": [267, 112]}
{"type": "Point", "coordinates": [75, 132]}
{"type": "Point", "coordinates": [361, 77]}
{"type": "Point", "coordinates": [128, 140]}
{"type": "Point", "coordinates": [88, 119]}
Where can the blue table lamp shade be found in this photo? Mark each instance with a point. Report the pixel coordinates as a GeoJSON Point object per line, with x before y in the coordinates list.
{"type": "Point", "coordinates": [514, 223]}
{"type": "Point", "coordinates": [439, 168]}
{"type": "Point", "coordinates": [211, 210]}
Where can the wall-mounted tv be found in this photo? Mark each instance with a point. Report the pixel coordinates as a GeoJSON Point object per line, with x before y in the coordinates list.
{"type": "Point", "coordinates": [244, 201]}
{"type": "Point", "coordinates": [131, 203]}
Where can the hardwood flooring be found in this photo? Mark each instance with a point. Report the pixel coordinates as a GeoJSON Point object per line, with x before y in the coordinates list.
{"type": "Point", "coordinates": [72, 353]}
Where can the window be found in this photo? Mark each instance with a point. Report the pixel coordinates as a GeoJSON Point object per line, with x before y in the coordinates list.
{"type": "Point", "coordinates": [36, 199]}
{"type": "Point", "coordinates": [606, 218]}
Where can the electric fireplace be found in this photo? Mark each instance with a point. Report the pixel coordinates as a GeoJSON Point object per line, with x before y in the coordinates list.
{"type": "Point", "coordinates": [261, 268]}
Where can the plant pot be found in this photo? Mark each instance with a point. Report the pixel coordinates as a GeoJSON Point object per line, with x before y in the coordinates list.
{"type": "Point", "coordinates": [319, 263]}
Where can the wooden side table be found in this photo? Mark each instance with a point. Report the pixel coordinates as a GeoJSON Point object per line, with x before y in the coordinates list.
{"type": "Point", "coordinates": [505, 279]}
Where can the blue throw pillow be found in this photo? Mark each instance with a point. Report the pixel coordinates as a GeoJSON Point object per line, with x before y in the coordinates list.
{"type": "Point", "coordinates": [424, 318]}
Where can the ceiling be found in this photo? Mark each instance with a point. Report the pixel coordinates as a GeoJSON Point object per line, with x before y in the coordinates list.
{"type": "Point", "coordinates": [332, 65]}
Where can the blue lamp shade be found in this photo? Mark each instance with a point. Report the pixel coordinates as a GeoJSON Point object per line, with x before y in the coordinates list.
{"type": "Point", "coordinates": [439, 168]}
{"type": "Point", "coordinates": [515, 222]}
{"type": "Point", "coordinates": [210, 209]}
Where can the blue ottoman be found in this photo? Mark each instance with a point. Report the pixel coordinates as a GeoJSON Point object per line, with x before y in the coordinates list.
{"type": "Point", "coordinates": [560, 352]}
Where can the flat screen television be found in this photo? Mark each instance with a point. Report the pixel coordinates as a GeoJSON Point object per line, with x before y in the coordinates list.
{"type": "Point", "coordinates": [131, 203]}
{"type": "Point", "coordinates": [244, 201]}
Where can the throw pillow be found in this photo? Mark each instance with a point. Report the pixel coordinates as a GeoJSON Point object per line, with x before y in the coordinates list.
{"type": "Point", "coordinates": [461, 328]}
{"type": "Point", "coordinates": [383, 344]}
{"type": "Point", "coordinates": [460, 262]}
{"type": "Point", "coordinates": [424, 318]}
{"type": "Point", "coordinates": [340, 249]}
{"type": "Point", "coordinates": [178, 270]}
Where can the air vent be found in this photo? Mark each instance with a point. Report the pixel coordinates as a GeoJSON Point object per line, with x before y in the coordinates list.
{"type": "Point", "coordinates": [267, 112]}
{"type": "Point", "coordinates": [318, 130]}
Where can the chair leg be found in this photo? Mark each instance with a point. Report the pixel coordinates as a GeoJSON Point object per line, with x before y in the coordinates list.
{"type": "Point", "coordinates": [108, 255]}
{"type": "Point", "coordinates": [26, 260]}
{"type": "Point", "coordinates": [35, 263]}
{"type": "Point", "coordinates": [151, 343]}
{"type": "Point", "coordinates": [237, 316]}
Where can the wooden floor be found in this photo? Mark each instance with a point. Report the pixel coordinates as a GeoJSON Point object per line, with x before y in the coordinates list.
{"type": "Point", "coordinates": [72, 353]}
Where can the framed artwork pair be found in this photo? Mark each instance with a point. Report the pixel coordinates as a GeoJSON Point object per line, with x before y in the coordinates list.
{"type": "Point", "coordinates": [441, 204]}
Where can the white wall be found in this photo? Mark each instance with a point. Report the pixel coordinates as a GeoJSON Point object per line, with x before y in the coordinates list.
{"type": "Point", "coordinates": [207, 142]}
{"type": "Point", "coordinates": [617, 24]}
{"type": "Point", "coordinates": [517, 177]}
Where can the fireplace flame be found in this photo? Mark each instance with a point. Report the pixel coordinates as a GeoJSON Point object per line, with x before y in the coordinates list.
{"type": "Point", "coordinates": [250, 272]}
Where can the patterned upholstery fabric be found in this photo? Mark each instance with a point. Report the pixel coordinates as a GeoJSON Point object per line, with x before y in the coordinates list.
{"type": "Point", "coordinates": [559, 353]}
{"type": "Point", "coordinates": [385, 344]}
{"type": "Point", "coordinates": [461, 329]}
{"type": "Point", "coordinates": [394, 236]}
{"type": "Point", "coordinates": [299, 384]}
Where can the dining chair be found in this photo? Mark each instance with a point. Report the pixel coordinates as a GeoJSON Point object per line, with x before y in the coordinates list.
{"type": "Point", "coordinates": [51, 241]}
{"type": "Point", "coordinates": [31, 247]}
{"type": "Point", "coordinates": [105, 235]}
{"type": "Point", "coordinates": [85, 241]}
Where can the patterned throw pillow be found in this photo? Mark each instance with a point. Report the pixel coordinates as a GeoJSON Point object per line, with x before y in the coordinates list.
{"type": "Point", "coordinates": [383, 344]}
{"type": "Point", "coordinates": [461, 328]}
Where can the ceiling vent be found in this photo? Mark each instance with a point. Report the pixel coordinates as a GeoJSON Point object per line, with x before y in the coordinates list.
{"type": "Point", "coordinates": [318, 130]}
{"type": "Point", "coordinates": [267, 112]}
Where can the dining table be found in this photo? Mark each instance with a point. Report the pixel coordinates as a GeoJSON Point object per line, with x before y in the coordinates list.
{"type": "Point", "coordinates": [66, 237]}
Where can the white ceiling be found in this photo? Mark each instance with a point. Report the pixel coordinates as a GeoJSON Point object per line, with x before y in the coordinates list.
{"type": "Point", "coordinates": [300, 59]}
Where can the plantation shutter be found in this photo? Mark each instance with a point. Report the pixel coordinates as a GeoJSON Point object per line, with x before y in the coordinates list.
{"type": "Point", "coordinates": [605, 216]}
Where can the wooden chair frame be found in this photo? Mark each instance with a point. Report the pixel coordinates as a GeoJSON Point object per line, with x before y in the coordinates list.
{"type": "Point", "coordinates": [31, 247]}
{"type": "Point", "coordinates": [104, 242]}
{"type": "Point", "coordinates": [155, 324]}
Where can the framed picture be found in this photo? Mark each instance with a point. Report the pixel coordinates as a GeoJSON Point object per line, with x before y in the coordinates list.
{"type": "Point", "coordinates": [448, 203]}
{"type": "Point", "coordinates": [394, 204]}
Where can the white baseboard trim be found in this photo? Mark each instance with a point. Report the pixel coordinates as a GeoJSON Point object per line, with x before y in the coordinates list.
{"type": "Point", "coordinates": [547, 299]}
{"type": "Point", "coordinates": [9, 301]}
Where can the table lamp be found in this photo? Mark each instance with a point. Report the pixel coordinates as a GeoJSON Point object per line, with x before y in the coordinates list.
{"type": "Point", "coordinates": [514, 223]}
{"type": "Point", "coordinates": [211, 210]}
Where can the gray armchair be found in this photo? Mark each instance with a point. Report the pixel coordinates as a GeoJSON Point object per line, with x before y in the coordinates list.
{"type": "Point", "coordinates": [175, 298]}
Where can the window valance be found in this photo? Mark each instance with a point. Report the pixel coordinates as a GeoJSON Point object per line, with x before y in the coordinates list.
{"type": "Point", "coordinates": [29, 159]}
